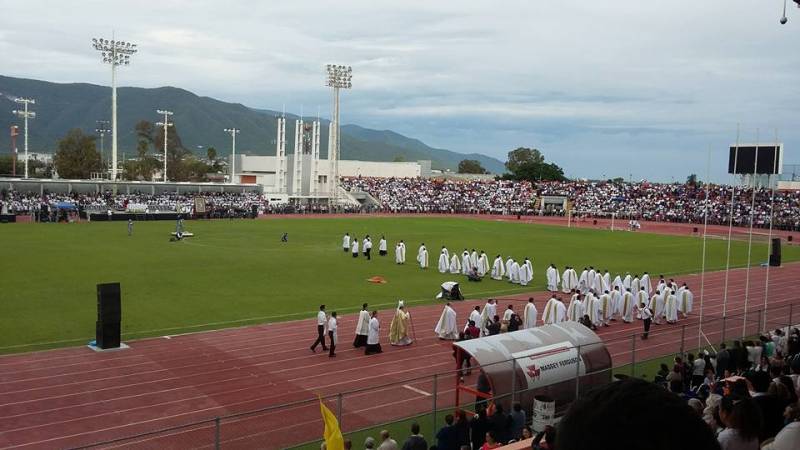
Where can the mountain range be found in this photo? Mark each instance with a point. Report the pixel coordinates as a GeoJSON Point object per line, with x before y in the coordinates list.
{"type": "Point", "coordinates": [198, 120]}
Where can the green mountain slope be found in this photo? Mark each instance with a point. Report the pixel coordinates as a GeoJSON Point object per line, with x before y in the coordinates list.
{"type": "Point", "coordinates": [199, 120]}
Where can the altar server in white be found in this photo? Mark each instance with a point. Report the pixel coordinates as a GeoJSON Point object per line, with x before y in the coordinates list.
{"type": "Point", "coordinates": [446, 328]}
{"type": "Point", "coordinates": [422, 256]}
{"type": "Point", "coordinates": [552, 278]}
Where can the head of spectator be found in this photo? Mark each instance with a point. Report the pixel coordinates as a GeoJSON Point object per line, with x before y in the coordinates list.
{"type": "Point", "coordinates": [369, 442]}
{"type": "Point", "coordinates": [634, 405]}
{"type": "Point", "coordinates": [741, 418]}
{"type": "Point", "coordinates": [696, 405]}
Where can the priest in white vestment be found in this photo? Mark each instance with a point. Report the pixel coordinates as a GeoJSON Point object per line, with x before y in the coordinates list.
{"type": "Point", "coordinates": [446, 328]}
{"type": "Point", "coordinates": [475, 316]}
{"type": "Point", "coordinates": [626, 306]}
{"type": "Point", "coordinates": [498, 269]}
{"type": "Point", "coordinates": [483, 264]}
{"type": "Point", "coordinates": [400, 253]}
{"type": "Point", "coordinates": [525, 275]}
{"type": "Point", "coordinates": [657, 306]}
{"type": "Point", "coordinates": [382, 249]}
{"type": "Point", "coordinates": [616, 299]}
{"type": "Point", "coordinates": [607, 281]}
{"type": "Point", "coordinates": [617, 284]}
{"type": "Point", "coordinates": [466, 263]}
{"type": "Point", "coordinates": [455, 264]}
{"type": "Point", "coordinates": [446, 252]}
{"type": "Point", "coordinates": [487, 315]}
{"type": "Point", "coordinates": [514, 272]}
{"type": "Point", "coordinates": [346, 242]}
{"type": "Point", "coordinates": [553, 311]}
{"type": "Point", "coordinates": [636, 285]}
{"type": "Point", "coordinates": [530, 266]}
{"type": "Point", "coordinates": [473, 259]}
{"type": "Point", "coordinates": [509, 263]}
{"type": "Point", "coordinates": [400, 329]}
{"type": "Point", "coordinates": [606, 308]}
{"type": "Point", "coordinates": [422, 256]}
{"type": "Point", "coordinates": [671, 307]}
{"type": "Point", "coordinates": [685, 300]}
{"type": "Point", "coordinates": [642, 301]}
{"type": "Point", "coordinates": [354, 247]}
{"type": "Point", "coordinates": [569, 280]}
{"type": "Point", "coordinates": [552, 278]}
{"type": "Point", "coordinates": [590, 279]}
{"type": "Point", "coordinates": [583, 281]}
{"type": "Point", "coordinates": [528, 315]}
{"type": "Point", "coordinates": [444, 264]}
{"type": "Point", "coordinates": [627, 281]}
{"type": "Point", "coordinates": [575, 311]}
{"type": "Point", "coordinates": [374, 338]}
{"type": "Point", "coordinates": [362, 327]}
{"type": "Point", "coordinates": [645, 281]}
{"type": "Point", "coordinates": [592, 309]}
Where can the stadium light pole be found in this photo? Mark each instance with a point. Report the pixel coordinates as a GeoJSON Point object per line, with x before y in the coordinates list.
{"type": "Point", "coordinates": [166, 124]}
{"type": "Point", "coordinates": [233, 132]}
{"type": "Point", "coordinates": [25, 114]}
{"type": "Point", "coordinates": [116, 53]}
{"type": "Point", "coordinates": [102, 129]}
{"type": "Point", "coordinates": [339, 77]}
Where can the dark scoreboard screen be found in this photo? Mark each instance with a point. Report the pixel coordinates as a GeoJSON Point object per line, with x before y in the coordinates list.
{"type": "Point", "coordinates": [742, 159]}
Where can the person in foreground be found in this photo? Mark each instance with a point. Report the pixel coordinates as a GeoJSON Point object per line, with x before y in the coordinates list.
{"type": "Point", "coordinates": [648, 414]}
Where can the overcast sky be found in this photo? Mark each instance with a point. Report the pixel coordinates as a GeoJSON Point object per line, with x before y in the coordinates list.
{"type": "Point", "coordinates": [636, 88]}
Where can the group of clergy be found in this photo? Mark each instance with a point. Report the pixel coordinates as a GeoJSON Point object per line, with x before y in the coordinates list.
{"type": "Point", "coordinates": [368, 329]}
{"type": "Point", "coordinates": [475, 264]}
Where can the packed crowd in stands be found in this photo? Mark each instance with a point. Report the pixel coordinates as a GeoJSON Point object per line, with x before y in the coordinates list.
{"type": "Point", "coordinates": [640, 201]}
{"type": "Point", "coordinates": [743, 397]}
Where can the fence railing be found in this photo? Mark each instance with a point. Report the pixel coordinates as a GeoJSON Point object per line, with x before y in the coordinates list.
{"type": "Point", "coordinates": [393, 405]}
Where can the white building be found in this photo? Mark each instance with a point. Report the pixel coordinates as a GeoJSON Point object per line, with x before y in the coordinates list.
{"type": "Point", "coordinates": [303, 177]}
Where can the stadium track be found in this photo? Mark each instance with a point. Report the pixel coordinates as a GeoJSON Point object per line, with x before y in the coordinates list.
{"type": "Point", "coordinates": [73, 396]}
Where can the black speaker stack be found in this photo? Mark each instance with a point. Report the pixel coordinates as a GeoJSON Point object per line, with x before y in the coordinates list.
{"type": "Point", "coordinates": [109, 315]}
{"type": "Point", "coordinates": [775, 254]}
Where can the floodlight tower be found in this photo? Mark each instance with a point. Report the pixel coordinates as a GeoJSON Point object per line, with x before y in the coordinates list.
{"type": "Point", "coordinates": [166, 124]}
{"type": "Point", "coordinates": [116, 53]}
{"type": "Point", "coordinates": [233, 132]}
{"type": "Point", "coordinates": [339, 77]}
{"type": "Point", "coordinates": [25, 114]}
{"type": "Point", "coordinates": [102, 130]}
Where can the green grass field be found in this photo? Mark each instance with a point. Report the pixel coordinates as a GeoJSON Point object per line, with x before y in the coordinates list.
{"type": "Point", "coordinates": [238, 272]}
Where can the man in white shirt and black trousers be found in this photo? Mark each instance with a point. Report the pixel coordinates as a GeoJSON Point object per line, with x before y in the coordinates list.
{"type": "Point", "coordinates": [321, 319]}
{"type": "Point", "coordinates": [332, 326]}
{"type": "Point", "coordinates": [647, 318]}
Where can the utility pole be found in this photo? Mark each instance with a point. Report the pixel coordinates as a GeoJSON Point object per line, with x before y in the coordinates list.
{"type": "Point", "coordinates": [14, 134]}
{"type": "Point", "coordinates": [166, 124]}
{"type": "Point", "coordinates": [25, 114]}
{"type": "Point", "coordinates": [233, 132]}
{"type": "Point", "coordinates": [102, 129]}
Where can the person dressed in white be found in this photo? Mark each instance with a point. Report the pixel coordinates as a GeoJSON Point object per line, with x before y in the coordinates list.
{"type": "Point", "coordinates": [455, 265]}
{"type": "Point", "coordinates": [509, 312]}
{"type": "Point", "coordinates": [366, 245]}
{"type": "Point", "coordinates": [569, 280]}
{"type": "Point", "coordinates": [476, 317]}
{"type": "Point", "coordinates": [642, 301]}
{"type": "Point", "coordinates": [626, 306]}
{"type": "Point", "coordinates": [446, 328]}
{"type": "Point", "coordinates": [422, 256]}
{"type": "Point", "coordinates": [583, 281]}
{"type": "Point", "coordinates": [399, 329]}
{"type": "Point", "coordinates": [645, 281]}
{"type": "Point", "coordinates": [483, 264]}
{"type": "Point", "coordinates": [444, 264]}
{"type": "Point", "coordinates": [592, 309]}
{"type": "Point", "coordinates": [514, 272]}
{"type": "Point", "coordinates": [346, 242]}
{"type": "Point", "coordinates": [661, 286]}
{"type": "Point", "coordinates": [374, 337]}
{"type": "Point", "coordinates": [616, 302]}
{"type": "Point", "coordinates": [626, 282]}
{"type": "Point", "coordinates": [590, 278]}
{"type": "Point", "coordinates": [466, 263]}
{"type": "Point", "coordinates": [657, 306]}
{"type": "Point", "coordinates": [487, 315]}
{"type": "Point", "coordinates": [333, 335]}
{"type": "Point", "coordinates": [685, 299]}
{"type": "Point", "coordinates": [473, 259]}
{"type": "Point", "coordinates": [400, 253]}
{"type": "Point", "coordinates": [528, 314]}
{"type": "Point", "coordinates": [498, 269]}
{"type": "Point", "coordinates": [509, 263]}
{"type": "Point", "coordinates": [671, 307]}
{"type": "Point", "coordinates": [606, 280]}
{"type": "Point", "coordinates": [598, 283]}
{"type": "Point", "coordinates": [554, 311]}
{"type": "Point", "coordinates": [525, 274]}
{"type": "Point", "coordinates": [606, 309]}
{"type": "Point", "coordinates": [552, 278]}
{"type": "Point", "coordinates": [636, 285]}
{"type": "Point", "coordinates": [382, 249]}
{"type": "Point", "coordinates": [354, 247]}
{"type": "Point", "coordinates": [530, 266]}
{"type": "Point", "coordinates": [575, 310]}
{"type": "Point", "coordinates": [446, 252]}
{"type": "Point", "coordinates": [362, 327]}
{"type": "Point", "coordinates": [617, 284]}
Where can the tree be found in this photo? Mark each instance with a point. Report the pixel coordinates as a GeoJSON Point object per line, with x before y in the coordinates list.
{"type": "Point", "coordinates": [691, 180]}
{"type": "Point", "coordinates": [523, 156]}
{"type": "Point", "coordinates": [399, 158]}
{"type": "Point", "coordinates": [212, 155]}
{"type": "Point", "coordinates": [528, 164]}
{"type": "Point", "coordinates": [6, 164]}
{"type": "Point", "coordinates": [470, 166]}
{"type": "Point", "coordinates": [77, 156]}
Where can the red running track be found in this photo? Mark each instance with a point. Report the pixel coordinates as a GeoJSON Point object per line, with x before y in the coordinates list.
{"type": "Point", "coordinates": [74, 396]}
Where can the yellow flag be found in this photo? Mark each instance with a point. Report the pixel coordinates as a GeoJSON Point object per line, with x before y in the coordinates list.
{"type": "Point", "coordinates": [333, 435]}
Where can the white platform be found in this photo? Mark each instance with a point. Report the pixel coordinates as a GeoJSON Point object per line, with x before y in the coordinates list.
{"type": "Point", "coordinates": [122, 346]}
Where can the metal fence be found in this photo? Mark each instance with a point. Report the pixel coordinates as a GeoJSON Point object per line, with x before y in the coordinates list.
{"type": "Point", "coordinates": [426, 400]}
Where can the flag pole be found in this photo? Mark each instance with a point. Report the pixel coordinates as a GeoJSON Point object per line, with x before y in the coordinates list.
{"type": "Point", "coordinates": [771, 218]}
{"type": "Point", "coordinates": [703, 268]}
{"type": "Point", "coordinates": [750, 237]}
{"type": "Point", "coordinates": [730, 225]}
